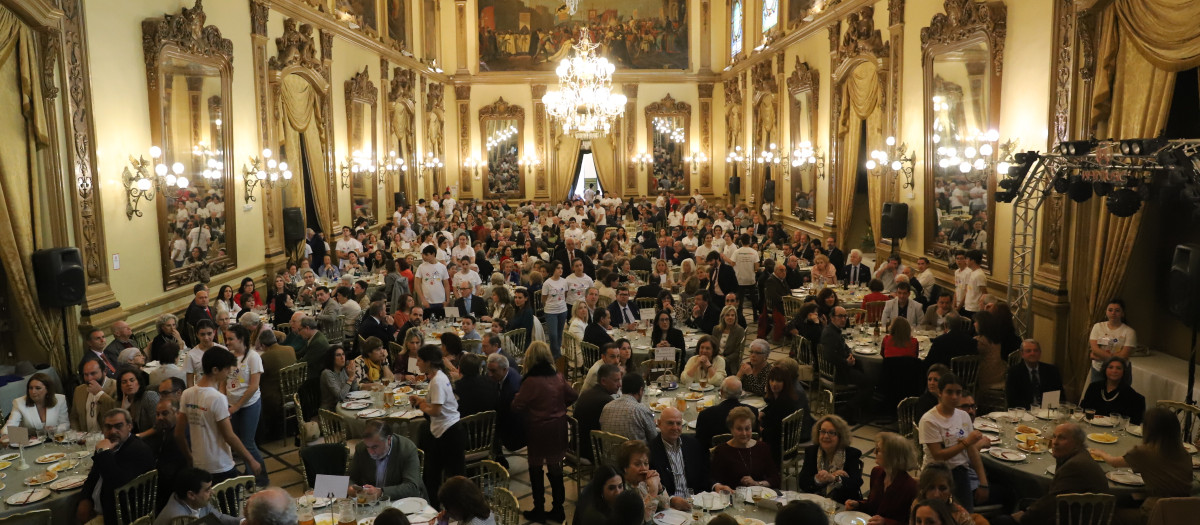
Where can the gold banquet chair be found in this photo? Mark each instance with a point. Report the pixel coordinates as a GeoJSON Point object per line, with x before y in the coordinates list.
{"type": "Point", "coordinates": [136, 499]}
{"type": "Point", "coordinates": [1084, 509]}
{"type": "Point", "coordinates": [230, 496]}
{"type": "Point", "coordinates": [33, 517]}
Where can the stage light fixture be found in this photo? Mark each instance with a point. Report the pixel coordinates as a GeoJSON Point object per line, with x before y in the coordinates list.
{"type": "Point", "coordinates": [1141, 146]}
{"type": "Point", "coordinates": [1124, 202]}
{"type": "Point", "coordinates": [1061, 183]}
{"type": "Point", "coordinates": [1079, 147]}
{"type": "Point", "coordinates": [1079, 190]}
{"type": "Point", "coordinates": [1102, 188]}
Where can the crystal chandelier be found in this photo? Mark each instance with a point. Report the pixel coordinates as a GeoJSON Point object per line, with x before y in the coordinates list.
{"type": "Point", "coordinates": [585, 105]}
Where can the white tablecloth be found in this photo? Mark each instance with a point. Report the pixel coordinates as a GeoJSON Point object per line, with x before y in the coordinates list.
{"type": "Point", "coordinates": [1159, 376]}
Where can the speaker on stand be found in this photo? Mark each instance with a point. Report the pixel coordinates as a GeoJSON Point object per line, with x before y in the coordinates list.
{"type": "Point", "coordinates": [768, 195]}
{"type": "Point", "coordinates": [1183, 283]}
{"type": "Point", "coordinates": [894, 223]}
{"type": "Point", "coordinates": [61, 283]}
{"type": "Point", "coordinates": [735, 187]}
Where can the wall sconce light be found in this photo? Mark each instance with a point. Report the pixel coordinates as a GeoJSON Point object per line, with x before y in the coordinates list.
{"type": "Point", "coordinates": [473, 165]}
{"type": "Point", "coordinates": [979, 157]}
{"type": "Point", "coordinates": [769, 155]}
{"type": "Point", "coordinates": [429, 164]}
{"type": "Point", "coordinates": [358, 162]}
{"type": "Point", "coordinates": [642, 161]}
{"type": "Point", "coordinates": [214, 166]}
{"type": "Point", "coordinates": [529, 163]}
{"type": "Point", "coordinates": [392, 167]}
{"type": "Point", "coordinates": [266, 171]}
{"type": "Point", "coordinates": [695, 160]}
{"type": "Point", "coordinates": [809, 158]}
{"type": "Point", "coordinates": [143, 181]}
{"type": "Point", "coordinates": [893, 161]}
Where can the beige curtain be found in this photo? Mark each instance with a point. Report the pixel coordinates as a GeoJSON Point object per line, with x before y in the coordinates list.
{"type": "Point", "coordinates": [565, 159]}
{"type": "Point", "coordinates": [860, 102]}
{"type": "Point", "coordinates": [606, 164]}
{"type": "Point", "coordinates": [23, 134]}
{"type": "Point", "coordinates": [1132, 98]}
{"type": "Point", "coordinates": [303, 121]}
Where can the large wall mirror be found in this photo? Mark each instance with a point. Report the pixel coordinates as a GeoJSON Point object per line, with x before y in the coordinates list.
{"type": "Point", "coordinates": [189, 70]}
{"type": "Point", "coordinates": [667, 125]}
{"type": "Point", "coordinates": [361, 122]}
{"type": "Point", "coordinates": [502, 126]}
{"type": "Point", "coordinates": [803, 88]}
{"type": "Point", "coordinates": [962, 51]}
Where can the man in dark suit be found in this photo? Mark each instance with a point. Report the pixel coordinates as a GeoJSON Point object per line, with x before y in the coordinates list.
{"type": "Point", "coordinates": [126, 458]}
{"type": "Point", "coordinates": [849, 371]}
{"type": "Point", "coordinates": [722, 279]}
{"type": "Point", "coordinates": [1075, 473]}
{"type": "Point", "coordinates": [567, 253]}
{"type": "Point", "coordinates": [97, 351]}
{"type": "Point", "coordinates": [491, 344]}
{"type": "Point", "coordinates": [316, 348]}
{"type": "Point", "coordinates": [686, 451]}
{"type": "Point", "coordinates": [679, 253]}
{"type": "Point", "coordinates": [376, 323]}
{"type": "Point", "coordinates": [591, 403]}
{"type": "Point", "coordinates": [855, 272]}
{"type": "Point", "coordinates": [647, 238]}
{"type": "Point", "coordinates": [622, 312]}
{"type": "Point", "coordinates": [510, 426]}
{"type": "Point", "coordinates": [597, 331]}
{"type": "Point", "coordinates": [794, 278]}
{"type": "Point", "coordinates": [836, 257]}
{"type": "Point", "coordinates": [398, 458]}
{"type": "Point", "coordinates": [705, 316]}
{"type": "Point", "coordinates": [956, 342]}
{"type": "Point", "coordinates": [639, 262]}
{"type": "Point", "coordinates": [198, 310]}
{"type": "Point", "coordinates": [711, 422]}
{"type": "Point", "coordinates": [468, 303]}
{"type": "Point", "coordinates": [1030, 378]}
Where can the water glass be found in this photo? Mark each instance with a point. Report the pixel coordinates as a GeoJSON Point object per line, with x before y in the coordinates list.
{"type": "Point", "coordinates": [1019, 415]}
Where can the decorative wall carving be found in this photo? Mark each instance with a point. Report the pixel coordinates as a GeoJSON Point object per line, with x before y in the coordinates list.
{"type": "Point", "coordinates": [51, 46]}
{"type": "Point", "coordinates": [462, 97]}
{"type": "Point", "coordinates": [503, 111]}
{"type": "Point", "coordinates": [861, 37]}
{"type": "Point", "coordinates": [360, 88]}
{"type": "Point", "coordinates": [706, 92]}
{"type": "Point", "coordinates": [297, 48]}
{"type": "Point", "coordinates": [259, 14]}
{"type": "Point", "coordinates": [895, 12]}
{"type": "Point", "coordinates": [185, 30]}
{"type": "Point", "coordinates": [804, 78]}
{"type": "Point", "coordinates": [964, 18]}
{"type": "Point", "coordinates": [435, 123]}
{"type": "Point", "coordinates": [630, 118]}
{"type": "Point", "coordinates": [539, 136]}
{"type": "Point", "coordinates": [733, 113]}
{"type": "Point", "coordinates": [403, 81]}
{"type": "Point", "coordinates": [326, 45]}
{"type": "Point", "coordinates": [402, 111]}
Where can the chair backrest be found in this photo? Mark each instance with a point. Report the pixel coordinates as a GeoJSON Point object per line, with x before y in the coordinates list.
{"type": "Point", "coordinates": [394, 350]}
{"type": "Point", "coordinates": [1084, 509]}
{"type": "Point", "coordinates": [323, 458]}
{"type": "Point", "coordinates": [572, 350]}
{"type": "Point", "coordinates": [33, 517]}
{"type": "Point", "coordinates": [828, 370]}
{"type": "Point", "coordinates": [821, 402]}
{"type": "Point", "coordinates": [723, 438]}
{"type": "Point", "coordinates": [1189, 418]}
{"type": "Point", "coordinates": [489, 476]}
{"type": "Point", "coordinates": [1175, 511]}
{"type": "Point", "coordinates": [136, 498]}
{"type": "Point", "coordinates": [514, 342]}
{"type": "Point", "coordinates": [966, 367]}
{"type": "Point", "coordinates": [471, 346]}
{"type": "Point", "coordinates": [874, 310]}
{"type": "Point", "coordinates": [642, 275]}
{"type": "Point", "coordinates": [603, 301]}
{"type": "Point", "coordinates": [230, 496]}
{"type": "Point", "coordinates": [856, 316]}
{"type": "Point", "coordinates": [144, 520]}
{"type": "Point", "coordinates": [906, 417]}
{"type": "Point", "coordinates": [1014, 357]}
{"type": "Point", "coordinates": [591, 353]}
{"type": "Point", "coordinates": [291, 377]}
{"type": "Point", "coordinates": [646, 302]}
{"type": "Point", "coordinates": [505, 507]}
{"type": "Point", "coordinates": [604, 445]}
{"type": "Point", "coordinates": [791, 306]}
{"type": "Point", "coordinates": [181, 520]}
{"type": "Point", "coordinates": [573, 449]}
{"type": "Point", "coordinates": [335, 332]}
{"type": "Point", "coordinates": [793, 433]}
{"type": "Point", "coordinates": [481, 430]}
{"type": "Point", "coordinates": [652, 369]}
{"type": "Point", "coordinates": [332, 427]}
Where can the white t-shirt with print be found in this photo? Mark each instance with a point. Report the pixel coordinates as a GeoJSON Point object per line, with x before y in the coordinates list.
{"type": "Point", "coordinates": [432, 277]}
{"type": "Point", "coordinates": [239, 379]}
{"type": "Point", "coordinates": [577, 287]}
{"type": "Point", "coordinates": [1110, 339]}
{"type": "Point", "coordinates": [555, 292]}
{"type": "Point", "coordinates": [441, 393]}
{"type": "Point", "coordinates": [205, 407]}
{"type": "Point", "coordinates": [744, 259]}
{"type": "Point", "coordinates": [948, 431]}
{"type": "Point", "coordinates": [192, 364]}
{"type": "Point", "coordinates": [976, 284]}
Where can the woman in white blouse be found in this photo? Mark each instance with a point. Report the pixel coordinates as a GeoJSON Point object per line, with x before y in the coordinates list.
{"type": "Point", "coordinates": [579, 319]}
{"type": "Point", "coordinates": [554, 294]}
{"type": "Point", "coordinates": [41, 409]}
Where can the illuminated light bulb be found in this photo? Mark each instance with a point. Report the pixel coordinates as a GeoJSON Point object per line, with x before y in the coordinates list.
{"type": "Point", "coordinates": [177, 168]}
{"type": "Point", "coordinates": [171, 179]}
{"type": "Point", "coordinates": [895, 165]}
{"type": "Point", "coordinates": [217, 122]}
{"type": "Point", "coordinates": [985, 149]}
{"type": "Point", "coordinates": [261, 175]}
{"type": "Point", "coordinates": [969, 152]}
{"type": "Point", "coordinates": [160, 170]}
{"type": "Point", "coordinates": [271, 164]}
{"type": "Point", "coordinates": [951, 152]}
{"type": "Point", "coordinates": [980, 164]}
{"type": "Point", "coordinates": [182, 182]}
{"type": "Point", "coordinates": [155, 152]}
{"type": "Point", "coordinates": [993, 135]}
{"type": "Point", "coordinates": [283, 166]}
{"type": "Point", "coordinates": [143, 184]}
{"type": "Point", "coordinates": [266, 153]}
{"type": "Point", "coordinates": [941, 151]}
{"type": "Point", "coordinates": [891, 141]}
{"type": "Point", "coordinates": [287, 174]}
{"type": "Point", "coordinates": [944, 163]}
{"type": "Point", "coordinates": [274, 177]}
{"type": "Point", "coordinates": [1002, 168]}
{"type": "Point", "coordinates": [964, 167]}
{"type": "Point", "coordinates": [936, 138]}
{"type": "Point", "coordinates": [870, 164]}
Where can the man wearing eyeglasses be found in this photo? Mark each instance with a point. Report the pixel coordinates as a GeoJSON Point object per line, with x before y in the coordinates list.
{"type": "Point", "coordinates": [467, 302]}
{"type": "Point", "coordinates": [849, 371]}
{"type": "Point", "coordinates": [119, 459]}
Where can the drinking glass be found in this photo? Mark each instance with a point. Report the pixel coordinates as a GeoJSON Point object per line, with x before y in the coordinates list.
{"type": "Point", "coordinates": [1019, 414]}
{"type": "Point", "coordinates": [304, 512]}
{"type": "Point", "coordinates": [1036, 406]}
{"type": "Point", "coordinates": [346, 514]}
{"type": "Point", "coordinates": [1089, 414]}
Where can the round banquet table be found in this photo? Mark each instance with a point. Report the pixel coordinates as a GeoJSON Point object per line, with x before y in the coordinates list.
{"type": "Point", "coordinates": [764, 511]}
{"type": "Point", "coordinates": [656, 398]}
{"type": "Point", "coordinates": [1031, 477]}
{"type": "Point", "coordinates": [867, 350]}
{"type": "Point", "coordinates": [847, 297]}
{"type": "Point", "coordinates": [407, 422]}
{"type": "Point", "coordinates": [61, 504]}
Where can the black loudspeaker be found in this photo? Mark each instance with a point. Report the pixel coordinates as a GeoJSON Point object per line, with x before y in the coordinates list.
{"type": "Point", "coordinates": [769, 191]}
{"type": "Point", "coordinates": [1183, 284]}
{"type": "Point", "coordinates": [293, 224]}
{"type": "Point", "coordinates": [60, 278]}
{"type": "Point", "coordinates": [895, 221]}
{"type": "Point", "coordinates": [400, 199]}
{"type": "Point", "coordinates": [735, 185]}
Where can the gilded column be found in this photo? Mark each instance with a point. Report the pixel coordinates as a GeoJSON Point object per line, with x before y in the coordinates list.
{"type": "Point", "coordinates": [706, 93]}
{"type": "Point", "coordinates": [460, 22]}
{"type": "Point", "coordinates": [462, 99]}
{"type": "Point", "coordinates": [895, 69]}
{"type": "Point", "coordinates": [330, 165]}
{"type": "Point", "coordinates": [706, 32]}
{"type": "Point", "coordinates": [540, 191]}
{"type": "Point", "coordinates": [630, 118]}
{"type": "Point", "coordinates": [386, 146]}
{"type": "Point", "coordinates": [274, 249]}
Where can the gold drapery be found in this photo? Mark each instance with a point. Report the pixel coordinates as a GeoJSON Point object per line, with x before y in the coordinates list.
{"type": "Point", "coordinates": [1132, 98]}
{"type": "Point", "coordinates": [302, 121]}
{"type": "Point", "coordinates": [23, 135]}
{"type": "Point", "coordinates": [606, 164]}
{"type": "Point", "coordinates": [566, 160]}
{"type": "Point", "coordinates": [861, 94]}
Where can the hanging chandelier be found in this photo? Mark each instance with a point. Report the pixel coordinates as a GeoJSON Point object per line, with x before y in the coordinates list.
{"type": "Point", "coordinates": [585, 105]}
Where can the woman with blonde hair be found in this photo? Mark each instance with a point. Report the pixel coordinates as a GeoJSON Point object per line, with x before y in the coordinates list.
{"type": "Point", "coordinates": [579, 319]}
{"type": "Point", "coordinates": [543, 400]}
{"type": "Point", "coordinates": [730, 336]}
{"type": "Point", "coordinates": [832, 468]}
{"type": "Point", "coordinates": [892, 488]}
{"type": "Point", "coordinates": [823, 273]}
{"type": "Point", "coordinates": [662, 274]}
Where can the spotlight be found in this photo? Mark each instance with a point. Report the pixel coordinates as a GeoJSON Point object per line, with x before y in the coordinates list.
{"type": "Point", "coordinates": [1141, 146]}
{"type": "Point", "coordinates": [1102, 188]}
{"type": "Point", "coordinates": [1173, 157]}
{"type": "Point", "coordinates": [1079, 147]}
{"type": "Point", "coordinates": [1061, 182]}
{"type": "Point", "coordinates": [1124, 202]}
{"type": "Point", "coordinates": [1079, 190]}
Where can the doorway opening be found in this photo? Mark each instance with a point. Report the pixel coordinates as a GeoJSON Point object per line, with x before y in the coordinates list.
{"type": "Point", "coordinates": [586, 177]}
{"type": "Point", "coordinates": [859, 235]}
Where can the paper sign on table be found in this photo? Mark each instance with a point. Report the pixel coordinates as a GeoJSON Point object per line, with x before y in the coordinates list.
{"type": "Point", "coordinates": [664, 354]}
{"type": "Point", "coordinates": [331, 486]}
{"type": "Point", "coordinates": [451, 312]}
{"type": "Point", "coordinates": [412, 366]}
{"type": "Point", "coordinates": [647, 314]}
{"type": "Point", "coordinates": [1050, 399]}
{"type": "Point", "coordinates": [18, 436]}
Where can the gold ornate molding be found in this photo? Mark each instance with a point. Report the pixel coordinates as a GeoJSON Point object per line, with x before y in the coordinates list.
{"type": "Point", "coordinates": [762, 78]}
{"type": "Point", "coordinates": [502, 110]}
{"type": "Point", "coordinates": [667, 106]}
{"type": "Point", "coordinates": [895, 12]}
{"type": "Point", "coordinates": [187, 32]}
{"type": "Point", "coordinates": [964, 18]}
{"type": "Point", "coordinates": [359, 88]}
{"type": "Point", "coordinates": [861, 38]}
{"type": "Point", "coordinates": [434, 96]}
{"type": "Point", "coordinates": [296, 48]}
{"type": "Point", "coordinates": [539, 137]}
{"type": "Point", "coordinates": [259, 14]}
{"type": "Point", "coordinates": [403, 82]}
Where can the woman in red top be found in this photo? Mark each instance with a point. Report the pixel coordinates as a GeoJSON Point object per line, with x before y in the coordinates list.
{"type": "Point", "coordinates": [247, 288]}
{"type": "Point", "coordinates": [876, 287]}
{"type": "Point", "coordinates": [892, 489]}
{"type": "Point", "coordinates": [899, 342]}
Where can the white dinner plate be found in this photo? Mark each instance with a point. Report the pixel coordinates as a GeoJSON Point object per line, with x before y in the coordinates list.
{"type": "Point", "coordinates": [33, 442]}
{"type": "Point", "coordinates": [756, 402]}
{"type": "Point", "coordinates": [1046, 414]}
{"type": "Point", "coordinates": [68, 483]}
{"type": "Point", "coordinates": [28, 496]}
{"type": "Point", "coordinates": [1134, 430]}
{"type": "Point", "coordinates": [1125, 477]}
{"type": "Point", "coordinates": [10, 456]}
{"type": "Point", "coordinates": [372, 413]}
{"type": "Point", "coordinates": [984, 425]}
{"type": "Point", "coordinates": [711, 500]}
{"type": "Point", "coordinates": [707, 388]}
{"type": "Point", "coordinates": [866, 350]}
{"type": "Point", "coordinates": [358, 394]}
{"type": "Point", "coordinates": [672, 517]}
{"type": "Point", "coordinates": [356, 405]}
{"type": "Point", "coordinates": [1007, 454]}
{"type": "Point", "coordinates": [410, 505]}
{"type": "Point", "coordinates": [406, 414]}
{"type": "Point", "coordinates": [851, 518]}
{"type": "Point", "coordinates": [1103, 421]}
{"type": "Point", "coordinates": [317, 503]}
